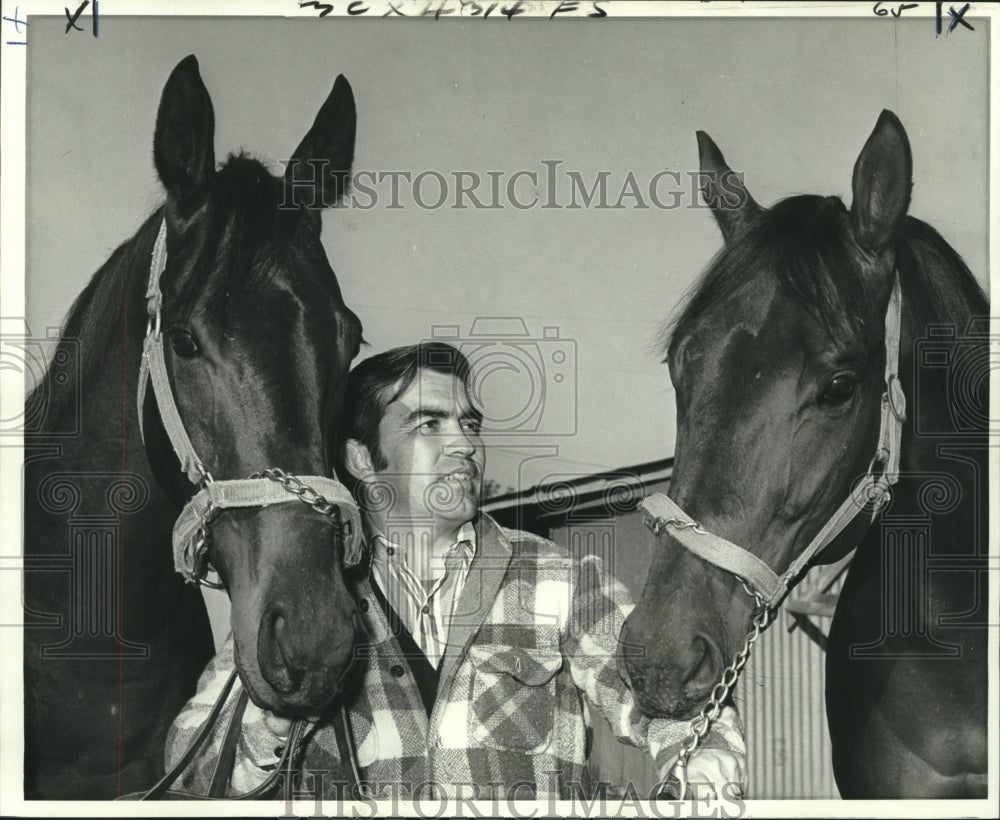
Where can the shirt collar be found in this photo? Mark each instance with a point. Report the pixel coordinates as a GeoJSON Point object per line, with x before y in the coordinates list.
{"type": "Point", "coordinates": [385, 552]}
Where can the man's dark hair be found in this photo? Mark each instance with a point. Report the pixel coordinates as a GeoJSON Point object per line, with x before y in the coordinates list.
{"type": "Point", "coordinates": [378, 381]}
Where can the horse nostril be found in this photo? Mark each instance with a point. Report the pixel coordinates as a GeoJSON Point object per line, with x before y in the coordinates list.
{"type": "Point", "coordinates": [275, 654]}
{"type": "Point", "coordinates": [705, 669]}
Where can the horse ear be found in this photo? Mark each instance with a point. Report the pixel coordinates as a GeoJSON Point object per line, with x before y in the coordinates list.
{"type": "Point", "coordinates": [881, 184]}
{"type": "Point", "coordinates": [320, 168]}
{"type": "Point", "coordinates": [183, 145]}
{"type": "Point", "coordinates": [723, 191]}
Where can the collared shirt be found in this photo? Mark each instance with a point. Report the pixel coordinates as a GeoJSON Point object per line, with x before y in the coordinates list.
{"type": "Point", "coordinates": [422, 590]}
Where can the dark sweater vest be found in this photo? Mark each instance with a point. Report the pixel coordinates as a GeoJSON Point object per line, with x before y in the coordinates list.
{"type": "Point", "coordinates": [423, 671]}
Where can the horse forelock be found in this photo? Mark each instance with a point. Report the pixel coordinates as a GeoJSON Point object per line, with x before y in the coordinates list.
{"type": "Point", "coordinates": [803, 245]}
{"type": "Point", "coordinates": [246, 239]}
{"type": "Point", "coordinates": [244, 236]}
{"type": "Point", "coordinates": [806, 246]}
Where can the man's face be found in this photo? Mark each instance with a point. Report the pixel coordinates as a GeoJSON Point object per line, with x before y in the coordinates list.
{"type": "Point", "coordinates": [429, 437]}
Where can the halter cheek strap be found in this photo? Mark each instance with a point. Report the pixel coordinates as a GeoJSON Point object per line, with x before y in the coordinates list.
{"type": "Point", "coordinates": [190, 539]}
{"type": "Point", "coordinates": [874, 490]}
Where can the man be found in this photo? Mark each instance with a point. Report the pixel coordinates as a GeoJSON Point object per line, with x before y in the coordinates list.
{"type": "Point", "coordinates": [483, 639]}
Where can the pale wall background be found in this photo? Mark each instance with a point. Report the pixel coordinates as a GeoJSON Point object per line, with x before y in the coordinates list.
{"type": "Point", "coordinates": [789, 102]}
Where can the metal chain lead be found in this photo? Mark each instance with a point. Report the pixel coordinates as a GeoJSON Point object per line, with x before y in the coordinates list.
{"type": "Point", "coordinates": [296, 486]}
{"type": "Point", "coordinates": [762, 618]}
{"type": "Point", "coordinates": [702, 722]}
{"type": "Point", "coordinates": [320, 503]}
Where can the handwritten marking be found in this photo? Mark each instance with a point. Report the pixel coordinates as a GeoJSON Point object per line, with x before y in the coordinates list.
{"type": "Point", "coordinates": [441, 8]}
{"type": "Point", "coordinates": [18, 22]}
{"type": "Point", "coordinates": [324, 8]}
{"type": "Point", "coordinates": [956, 18]}
{"type": "Point", "coordinates": [896, 12]}
{"type": "Point", "coordinates": [72, 19]}
{"type": "Point", "coordinates": [565, 7]}
{"type": "Point", "coordinates": [75, 17]}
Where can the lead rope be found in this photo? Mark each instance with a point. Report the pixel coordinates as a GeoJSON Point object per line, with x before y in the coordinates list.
{"type": "Point", "coordinates": [284, 768]}
{"type": "Point", "coordinates": [346, 748]}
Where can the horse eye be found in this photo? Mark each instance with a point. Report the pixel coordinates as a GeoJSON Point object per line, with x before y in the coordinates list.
{"type": "Point", "coordinates": [183, 343]}
{"type": "Point", "coordinates": [840, 389]}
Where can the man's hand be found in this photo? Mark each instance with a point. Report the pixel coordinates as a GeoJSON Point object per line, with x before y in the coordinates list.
{"type": "Point", "coordinates": [710, 773]}
{"type": "Point", "coordinates": [717, 768]}
{"type": "Point", "coordinates": [280, 725]}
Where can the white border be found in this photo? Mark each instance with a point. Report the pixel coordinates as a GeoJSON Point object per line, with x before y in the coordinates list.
{"type": "Point", "coordinates": [12, 272]}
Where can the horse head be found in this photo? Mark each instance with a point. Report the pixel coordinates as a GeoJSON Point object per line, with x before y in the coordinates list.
{"type": "Point", "coordinates": [778, 364]}
{"type": "Point", "coordinates": [257, 342]}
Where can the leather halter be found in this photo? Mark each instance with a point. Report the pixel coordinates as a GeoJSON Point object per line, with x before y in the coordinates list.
{"type": "Point", "coordinates": [875, 489]}
{"type": "Point", "coordinates": [191, 528]}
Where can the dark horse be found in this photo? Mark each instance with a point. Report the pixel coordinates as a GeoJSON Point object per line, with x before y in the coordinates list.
{"type": "Point", "coordinates": [257, 345]}
{"type": "Point", "coordinates": [778, 363]}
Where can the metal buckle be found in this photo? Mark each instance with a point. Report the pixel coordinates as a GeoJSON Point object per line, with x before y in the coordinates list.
{"type": "Point", "coordinates": [880, 459]}
{"type": "Point", "coordinates": [896, 397]}
{"type": "Point", "coordinates": [153, 323]}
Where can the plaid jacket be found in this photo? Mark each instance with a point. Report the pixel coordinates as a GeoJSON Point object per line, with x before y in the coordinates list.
{"type": "Point", "coordinates": [534, 628]}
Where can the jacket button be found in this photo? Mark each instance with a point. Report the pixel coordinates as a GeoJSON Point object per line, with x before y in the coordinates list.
{"type": "Point", "coordinates": [396, 670]}
{"type": "Point", "coordinates": [363, 605]}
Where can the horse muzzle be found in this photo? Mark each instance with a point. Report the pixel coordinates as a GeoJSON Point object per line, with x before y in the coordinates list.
{"type": "Point", "coordinates": [296, 671]}
{"type": "Point", "coordinates": [670, 676]}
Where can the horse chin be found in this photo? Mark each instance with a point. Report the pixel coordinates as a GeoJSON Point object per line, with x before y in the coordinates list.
{"type": "Point", "coordinates": [296, 705]}
{"type": "Point", "coordinates": [658, 699]}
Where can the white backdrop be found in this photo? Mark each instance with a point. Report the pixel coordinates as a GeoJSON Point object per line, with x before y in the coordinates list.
{"type": "Point", "coordinates": [789, 102]}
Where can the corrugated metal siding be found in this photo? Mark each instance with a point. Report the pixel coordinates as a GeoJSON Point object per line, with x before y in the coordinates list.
{"type": "Point", "coordinates": [781, 698]}
{"type": "Point", "coordinates": [780, 694]}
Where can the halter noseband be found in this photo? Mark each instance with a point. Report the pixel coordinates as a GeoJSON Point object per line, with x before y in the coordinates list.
{"type": "Point", "coordinates": [766, 586]}
{"type": "Point", "coordinates": [191, 530]}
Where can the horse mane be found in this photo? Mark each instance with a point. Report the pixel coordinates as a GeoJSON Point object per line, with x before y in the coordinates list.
{"type": "Point", "coordinates": [805, 243]}
{"type": "Point", "coordinates": [101, 307]}
{"type": "Point", "coordinates": [938, 286]}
